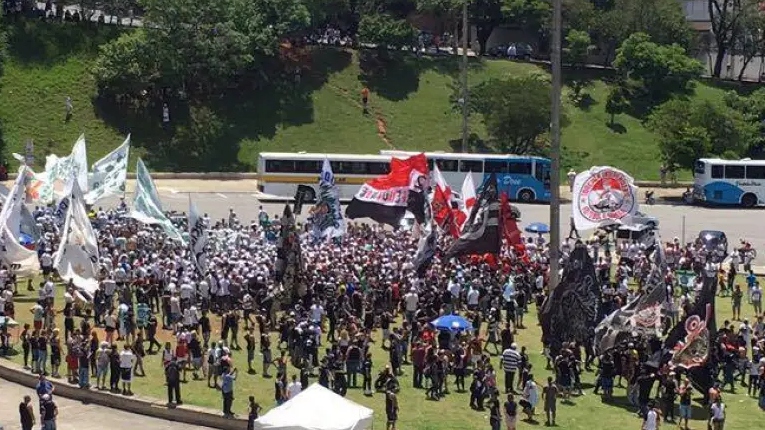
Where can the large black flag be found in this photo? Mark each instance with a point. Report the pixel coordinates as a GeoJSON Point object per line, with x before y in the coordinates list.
{"type": "Point", "coordinates": [570, 312]}
{"type": "Point", "coordinates": [643, 315]}
{"type": "Point", "coordinates": [690, 345]}
{"type": "Point", "coordinates": [481, 233]}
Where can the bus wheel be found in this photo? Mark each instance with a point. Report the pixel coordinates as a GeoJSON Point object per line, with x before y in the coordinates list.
{"type": "Point", "coordinates": [748, 200]}
{"type": "Point", "coordinates": [526, 196]}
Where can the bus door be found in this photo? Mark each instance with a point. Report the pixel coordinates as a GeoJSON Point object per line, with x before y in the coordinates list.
{"type": "Point", "coordinates": [518, 182]}
{"type": "Point", "coordinates": [542, 175]}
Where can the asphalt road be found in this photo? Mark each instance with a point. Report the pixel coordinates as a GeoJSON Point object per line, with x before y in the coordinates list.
{"type": "Point", "coordinates": [680, 221]}
{"type": "Point", "coordinates": [74, 415]}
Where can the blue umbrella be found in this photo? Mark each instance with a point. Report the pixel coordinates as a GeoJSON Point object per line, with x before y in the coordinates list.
{"type": "Point", "coordinates": [26, 241]}
{"type": "Point", "coordinates": [537, 227]}
{"type": "Point", "coordinates": [451, 322]}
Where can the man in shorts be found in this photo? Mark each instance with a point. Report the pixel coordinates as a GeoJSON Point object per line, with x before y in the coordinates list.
{"type": "Point", "coordinates": [127, 360]}
{"type": "Point", "coordinates": [685, 391]}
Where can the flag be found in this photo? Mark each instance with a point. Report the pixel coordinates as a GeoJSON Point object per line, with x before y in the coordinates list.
{"type": "Point", "coordinates": [77, 255]}
{"type": "Point", "coordinates": [570, 312]}
{"type": "Point", "coordinates": [690, 344]}
{"type": "Point", "coordinates": [109, 174]}
{"type": "Point", "coordinates": [441, 204]}
{"type": "Point", "coordinates": [289, 259]}
{"type": "Point", "coordinates": [385, 199]}
{"type": "Point", "coordinates": [12, 252]}
{"type": "Point", "coordinates": [427, 244]}
{"type": "Point", "coordinates": [603, 196]}
{"type": "Point", "coordinates": [301, 194]}
{"type": "Point", "coordinates": [468, 201]}
{"type": "Point", "coordinates": [327, 216]}
{"type": "Point", "coordinates": [55, 183]}
{"type": "Point", "coordinates": [147, 207]}
{"type": "Point", "coordinates": [510, 230]}
{"type": "Point", "coordinates": [481, 234]}
{"type": "Point", "coordinates": [419, 187]}
{"type": "Point", "coordinates": [197, 238]}
{"type": "Point", "coordinates": [643, 315]}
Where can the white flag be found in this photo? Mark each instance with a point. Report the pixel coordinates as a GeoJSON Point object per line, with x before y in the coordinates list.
{"type": "Point", "coordinates": [147, 207]}
{"type": "Point", "coordinates": [10, 223]}
{"type": "Point", "coordinates": [56, 182]}
{"type": "Point", "coordinates": [197, 238]}
{"type": "Point", "coordinates": [109, 174]}
{"type": "Point", "coordinates": [327, 216]}
{"type": "Point", "coordinates": [603, 196]}
{"type": "Point", "coordinates": [77, 255]}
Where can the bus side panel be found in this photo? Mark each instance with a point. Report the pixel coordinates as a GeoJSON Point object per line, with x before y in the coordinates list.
{"type": "Point", "coordinates": [722, 193]}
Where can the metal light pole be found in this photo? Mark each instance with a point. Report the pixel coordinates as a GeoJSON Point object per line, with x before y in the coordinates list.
{"type": "Point", "coordinates": [555, 236]}
{"type": "Point", "coordinates": [464, 76]}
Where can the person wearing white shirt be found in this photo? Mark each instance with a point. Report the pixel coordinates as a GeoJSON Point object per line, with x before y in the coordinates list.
{"type": "Point", "coordinates": [756, 296]}
{"type": "Point", "coordinates": [46, 263]}
{"type": "Point", "coordinates": [411, 301]}
{"type": "Point", "coordinates": [317, 312]}
{"type": "Point", "coordinates": [718, 414]}
{"type": "Point", "coordinates": [472, 298]}
{"type": "Point", "coordinates": [294, 388]}
{"type": "Point", "coordinates": [127, 360]}
{"type": "Point", "coordinates": [652, 417]}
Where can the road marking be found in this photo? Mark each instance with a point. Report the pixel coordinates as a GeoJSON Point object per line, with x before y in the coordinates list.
{"type": "Point", "coordinates": [221, 195]}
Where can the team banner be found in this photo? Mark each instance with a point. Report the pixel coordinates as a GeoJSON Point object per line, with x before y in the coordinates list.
{"type": "Point", "coordinates": [77, 255]}
{"type": "Point", "coordinates": [55, 183]}
{"type": "Point", "coordinates": [326, 216]}
{"type": "Point", "coordinates": [603, 196]}
{"type": "Point", "coordinates": [147, 207]}
{"type": "Point", "coordinates": [11, 219]}
{"type": "Point", "coordinates": [427, 244]}
{"type": "Point", "coordinates": [468, 201]}
{"type": "Point", "coordinates": [197, 238]}
{"type": "Point", "coordinates": [481, 233]}
{"type": "Point", "coordinates": [109, 174]}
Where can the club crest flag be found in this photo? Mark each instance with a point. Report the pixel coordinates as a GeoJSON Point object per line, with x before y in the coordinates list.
{"type": "Point", "coordinates": [109, 174]}
{"type": "Point", "coordinates": [77, 255]}
{"type": "Point", "coordinates": [327, 216]}
{"type": "Point", "coordinates": [197, 238]}
{"type": "Point", "coordinates": [603, 196]}
{"type": "Point", "coordinates": [11, 219]}
{"type": "Point", "coordinates": [147, 207]}
{"type": "Point", "coordinates": [55, 183]}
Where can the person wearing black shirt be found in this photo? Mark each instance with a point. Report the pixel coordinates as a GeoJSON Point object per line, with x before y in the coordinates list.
{"type": "Point", "coordinates": [366, 369]}
{"type": "Point", "coordinates": [204, 325]}
{"type": "Point", "coordinates": [495, 417]}
{"type": "Point", "coordinates": [506, 336]}
{"type": "Point", "coordinates": [114, 369]}
{"type": "Point", "coordinates": [279, 389]}
{"type": "Point", "coordinates": [391, 409]}
{"type": "Point", "coordinates": [511, 412]}
{"type": "Point", "coordinates": [68, 320]}
{"type": "Point", "coordinates": [669, 395]}
{"type": "Point", "coordinates": [254, 411]}
{"type": "Point", "coordinates": [353, 363]}
{"type": "Point", "coordinates": [151, 334]}
{"type": "Point", "coordinates": [173, 380]}
{"type": "Point", "coordinates": [249, 339]}
{"type": "Point", "coordinates": [26, 414]}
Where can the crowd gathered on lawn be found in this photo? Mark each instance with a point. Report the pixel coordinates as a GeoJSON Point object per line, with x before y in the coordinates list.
{"type": "Point", "coordinates": [358, 294]}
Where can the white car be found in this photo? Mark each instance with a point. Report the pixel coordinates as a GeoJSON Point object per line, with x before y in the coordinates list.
{"type": "Point", "coordinates": [646, 220]}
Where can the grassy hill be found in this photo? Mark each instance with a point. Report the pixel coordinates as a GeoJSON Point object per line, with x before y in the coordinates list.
{"type": "Point", "coordinates": [409, 109]}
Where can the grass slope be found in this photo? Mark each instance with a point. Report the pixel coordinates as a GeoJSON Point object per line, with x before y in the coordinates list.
{"type": "Point", "coordinates": [451, 413]}
{"type": "Point", "coordinates": [409, 109]}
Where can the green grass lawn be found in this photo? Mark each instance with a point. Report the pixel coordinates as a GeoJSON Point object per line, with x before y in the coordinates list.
{"type": "Point", "coordinates": [451, 413]}
{"type": "Point", "coordinates": [409, 109]}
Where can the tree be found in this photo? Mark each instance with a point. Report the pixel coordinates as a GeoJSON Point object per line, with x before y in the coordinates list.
{"type": "Point", "coordinates": [689, 130]}
{"type": "Point", "coordinates": [201, 46]}
{"type": "Point", "coordinates": [727, 18]}
{"type": "Point", "coordinates": [515, 111]}
{"type": "Point", "coordinates": [385, 31]}
{"type": "Point", "coordinates": [661, 70]}
{"type": "Point", "coordinates": [577, 48]}
{"type": "Point", "coordinates": [750, 39]}
{"type": "Point", "coordinates": [123, 66]}
{"type": "Point", "coordinates": [617, 102]}
{"type": "Point", "coordinates": [485, 15]}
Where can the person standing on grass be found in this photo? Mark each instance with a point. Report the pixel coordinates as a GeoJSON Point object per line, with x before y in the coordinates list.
{"type": "Point", "coordinates": [26, 414]}
{"type": "Point", "coordinates": [511, 412]}
{"type": "Point", "coordinates": [127, 361]}
{"type": "Point", "coordinates": [173, 381]}
{"type": "Point", "coordinates": [718, 414]}
{"type": "Point", "coordinates": [294, 388]}
{"type": "Point", "coordinates": [495, 416]}
{"type": "Point", "coordinates": [736, 302]}
{"type": "Point", "coordinates": [365, 99]}
{"type": "Point", "coordinates": [69, 107]}
{"type": "Point", "coordinates": [511, 360]}
{"type": "Point", "coordinates": [391, 409]}
{"type": "Point", "coordinates": [227, 390]}
{"type": "Point", "coordinates": [652, 418]}
{"type": "Point", "coordinates": [685, 390]}
{"type": "Point", "coordinates": [756, 295]}
{"type": "Point", "coordinates": [550, 398]}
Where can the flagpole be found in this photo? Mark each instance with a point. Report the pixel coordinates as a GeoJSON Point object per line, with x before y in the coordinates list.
{"type": "Point", "coordinates": [555, 145]}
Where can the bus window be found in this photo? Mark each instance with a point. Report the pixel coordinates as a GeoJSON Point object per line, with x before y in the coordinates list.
{"type": "Point", "coordinates": [307, 166]}
{"type": "Point", "coordinates": [734, 172]}
{"type": "Point", "coordinates": [520, 167]}
{"type": "Point", "coordinates": [447, 165]}
{"type": "Point", "coordinates": [359, 168]}
{"type": "Point", "coordinates": [755, 172]}
{"type": "Point", "coordinates": [342, 167]}
{"type": "Point", "coordinates": [495, 166]}
{"type": "Point", "coordinates": [717, 172]}
{"type": "Point", "coordinates": [474, 166]}
{"type": "Point", "coordinates": [701, 167]}
{"type": "Point", "coordinates": [376, 168]}
{"type": "Point", "coordinates": [430, 164]}
{"type": "Point", "coordinates": [280, 166]}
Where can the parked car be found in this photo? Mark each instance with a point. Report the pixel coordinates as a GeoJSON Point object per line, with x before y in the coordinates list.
{"type": "Point", "coordinates": [646, 220]}
{"type": "Point", "coordinates": [513, 51]}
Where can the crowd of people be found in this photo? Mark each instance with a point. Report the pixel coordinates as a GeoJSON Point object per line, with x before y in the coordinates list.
{"type": "Point", "coordinates": [358, 295]}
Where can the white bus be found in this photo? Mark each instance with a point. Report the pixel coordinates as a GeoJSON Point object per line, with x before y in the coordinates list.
{"type": "Point", "coordinates": [729, 182]}
{"type": "Point", "coordinates": [523, 178]}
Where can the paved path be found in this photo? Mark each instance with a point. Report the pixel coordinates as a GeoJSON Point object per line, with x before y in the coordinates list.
{"type": "Point", "coordinates": [74, 415]}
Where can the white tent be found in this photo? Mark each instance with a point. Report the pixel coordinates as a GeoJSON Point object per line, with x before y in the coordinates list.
{"type": "Point", "coordinates": [317, 408]}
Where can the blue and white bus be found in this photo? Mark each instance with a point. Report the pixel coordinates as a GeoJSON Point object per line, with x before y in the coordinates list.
{"type": "Point", "coordinates": [524, 178]}
{"type": "Point", "coordinates": [729, 182]}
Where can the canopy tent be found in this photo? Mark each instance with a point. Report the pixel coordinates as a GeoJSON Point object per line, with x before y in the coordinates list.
{"type": "Point", "coordinates": [317, 408]}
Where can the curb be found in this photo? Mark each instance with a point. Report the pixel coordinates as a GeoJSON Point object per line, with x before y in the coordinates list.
{"type": "Point", "coordinates": [136, 404]}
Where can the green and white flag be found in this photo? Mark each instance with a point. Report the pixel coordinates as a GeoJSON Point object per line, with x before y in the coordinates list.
{"type": "Point", "coordinates": [147, 207]}
{"type": "Point", "coordinates": [77, 257]}
{"type": "Point", "coordinates": [60, 172]}
{"type": "Point", "coordinates": [109, 174]}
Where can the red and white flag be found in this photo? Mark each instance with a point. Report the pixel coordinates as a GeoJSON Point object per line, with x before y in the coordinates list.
{"type": "Point", "coordinates": [442, 203]}
{"type": "Point", "coordinates": [468, 201]}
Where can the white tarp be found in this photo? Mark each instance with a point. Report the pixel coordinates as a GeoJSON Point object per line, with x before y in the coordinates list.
{"type": "Point", "coordinates": [10, 228]}
{"type": "Point", "coordinates": [147, 207]}
{"type": "Point", "coordinates": [603, 196]}
{"type": "Point", "coordinates": [197, 238]}
{"type": "Point", "coordinates": [77, 255]}
{"type": "Point", "coordinates": [109, 174]}
{"type": "Point", "coordinates": [317, 408]}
